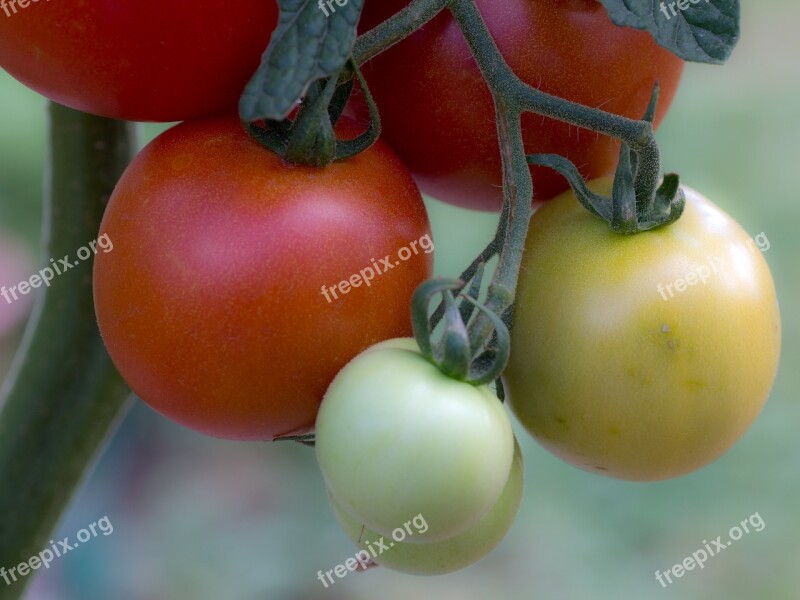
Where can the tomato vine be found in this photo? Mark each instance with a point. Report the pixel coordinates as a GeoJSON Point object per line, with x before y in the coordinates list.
{"type": "Point", "coordinates": [58, 422]}
{"type": "Point", "coordinates": [638, 202]}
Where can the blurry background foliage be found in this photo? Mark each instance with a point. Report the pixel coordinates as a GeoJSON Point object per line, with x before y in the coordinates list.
{"type": "Point", "coordinates": [199, 518]}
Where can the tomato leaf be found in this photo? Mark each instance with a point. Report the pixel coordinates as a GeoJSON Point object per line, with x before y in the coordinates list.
{"type": "Point", "coordinates": [313, 40]}
{"type": "Point", "coordinates": [695, 30]}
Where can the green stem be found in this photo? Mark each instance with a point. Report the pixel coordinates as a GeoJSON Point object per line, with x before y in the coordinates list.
{"type": "Point", "coordinates": [469, 273]}
{"type": "Point", "coordinates": [517, 194]}
{"type": "Point", "coordinates": [504, 82]}
{"type": "Point", "coordinates": [516, 93]}
{"type": "Point", "coordinates": [399, 26]}
{"type": "Point", "coordinates": [63, 395]}
{"type": "Point", "coordinates": [498, 75]}
{"type": "Point", "coordinates": [512, 97]}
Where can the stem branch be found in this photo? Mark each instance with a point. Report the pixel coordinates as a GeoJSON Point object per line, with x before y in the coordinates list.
{"type": "Point", "coordinates": [396, 28]}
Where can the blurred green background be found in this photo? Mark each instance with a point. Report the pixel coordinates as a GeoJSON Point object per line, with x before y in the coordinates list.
{"type": "Point", "coordinates": [199, 518]}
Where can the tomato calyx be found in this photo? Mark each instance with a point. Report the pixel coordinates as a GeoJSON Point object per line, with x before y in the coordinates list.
{"type": "Point", "coordinates": [458, 354]}
{"type": "Point", "coordinates": [309, 139]}
{"type": "Point", "coordinates": [627, 211]}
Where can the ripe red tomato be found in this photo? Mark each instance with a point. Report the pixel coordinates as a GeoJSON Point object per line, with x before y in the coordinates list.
{"type": "Point", "coordinates": [211, 302]}
{"type": "Point", "coordinates": [439, 116]}
{"type": "Point", "coordinates": [147, 60]}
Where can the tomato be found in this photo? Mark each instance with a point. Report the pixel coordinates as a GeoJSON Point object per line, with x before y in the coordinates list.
{"type": "Point", "coordinates": [396, 437]}
{"type": "Point", "coordinates": [641, 357]}
{"type": "Point", "coordinates": [438, 558]}
{"type": "Point", "coordinates": [142, 61]}
{"type": "Point", "coordinates": [438, 114]}
{"type": "Point", "coordinates": [239, 285]}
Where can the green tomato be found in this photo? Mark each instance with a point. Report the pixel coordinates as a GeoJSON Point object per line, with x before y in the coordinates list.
{"type": "Point", "coordinates": [641, 357]}
{"type": "Point", "coordinates": [438, 558]}
{"type": "Point", "coordinates": [395, 437]}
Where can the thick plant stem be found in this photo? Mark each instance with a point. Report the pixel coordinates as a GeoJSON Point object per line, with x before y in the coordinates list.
{"type": "Point", "coordinates": [63, 396]}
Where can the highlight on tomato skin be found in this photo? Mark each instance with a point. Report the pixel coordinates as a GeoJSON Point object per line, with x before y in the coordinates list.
{"type": "Point", "coordinates": [641, 357]}
{"type": "Point", "coordinates": [146, 60]}
{"type": "Point", "coordinates": [568, 49]}
{"type": "Point", "coordinates": [212, 303]}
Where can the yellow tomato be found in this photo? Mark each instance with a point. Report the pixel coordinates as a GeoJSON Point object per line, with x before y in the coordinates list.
{"type": "Point", "coordinates": [642, 357]}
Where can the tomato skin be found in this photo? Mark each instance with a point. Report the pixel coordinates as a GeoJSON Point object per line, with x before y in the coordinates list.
{"type": "Point", "coordinates": [452, 554]}
{"type": "Point", "coordinates": [141, 61]}
{"type": "Point", "coordinates": [617, 378]}
{"type": "Point", "coordinates": [210, 302]}
{"type": "Point", "coordinates": [395, 437]}
{"type": "Point", "coordinates": [438, 113]}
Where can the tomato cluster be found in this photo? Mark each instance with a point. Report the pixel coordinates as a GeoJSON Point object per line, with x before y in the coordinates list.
{"type": "Point", "coordinates": [253, 299]}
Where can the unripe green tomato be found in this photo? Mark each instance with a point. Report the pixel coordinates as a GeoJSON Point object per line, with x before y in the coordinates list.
{"type": "Point", "coordinates": [395, 437]}
{"type": "Point", "coordinates": [446, 556]}
{"type": "Point", "coordinates": [641, 357]}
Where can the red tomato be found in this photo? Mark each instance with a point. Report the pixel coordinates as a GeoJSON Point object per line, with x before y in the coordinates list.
{"type": "Point", "coordinates": [439, 116]}
{"type": "Point", "coordinates": [147, 60]}
{"type": "Point", "coordinates": [211, 302]}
